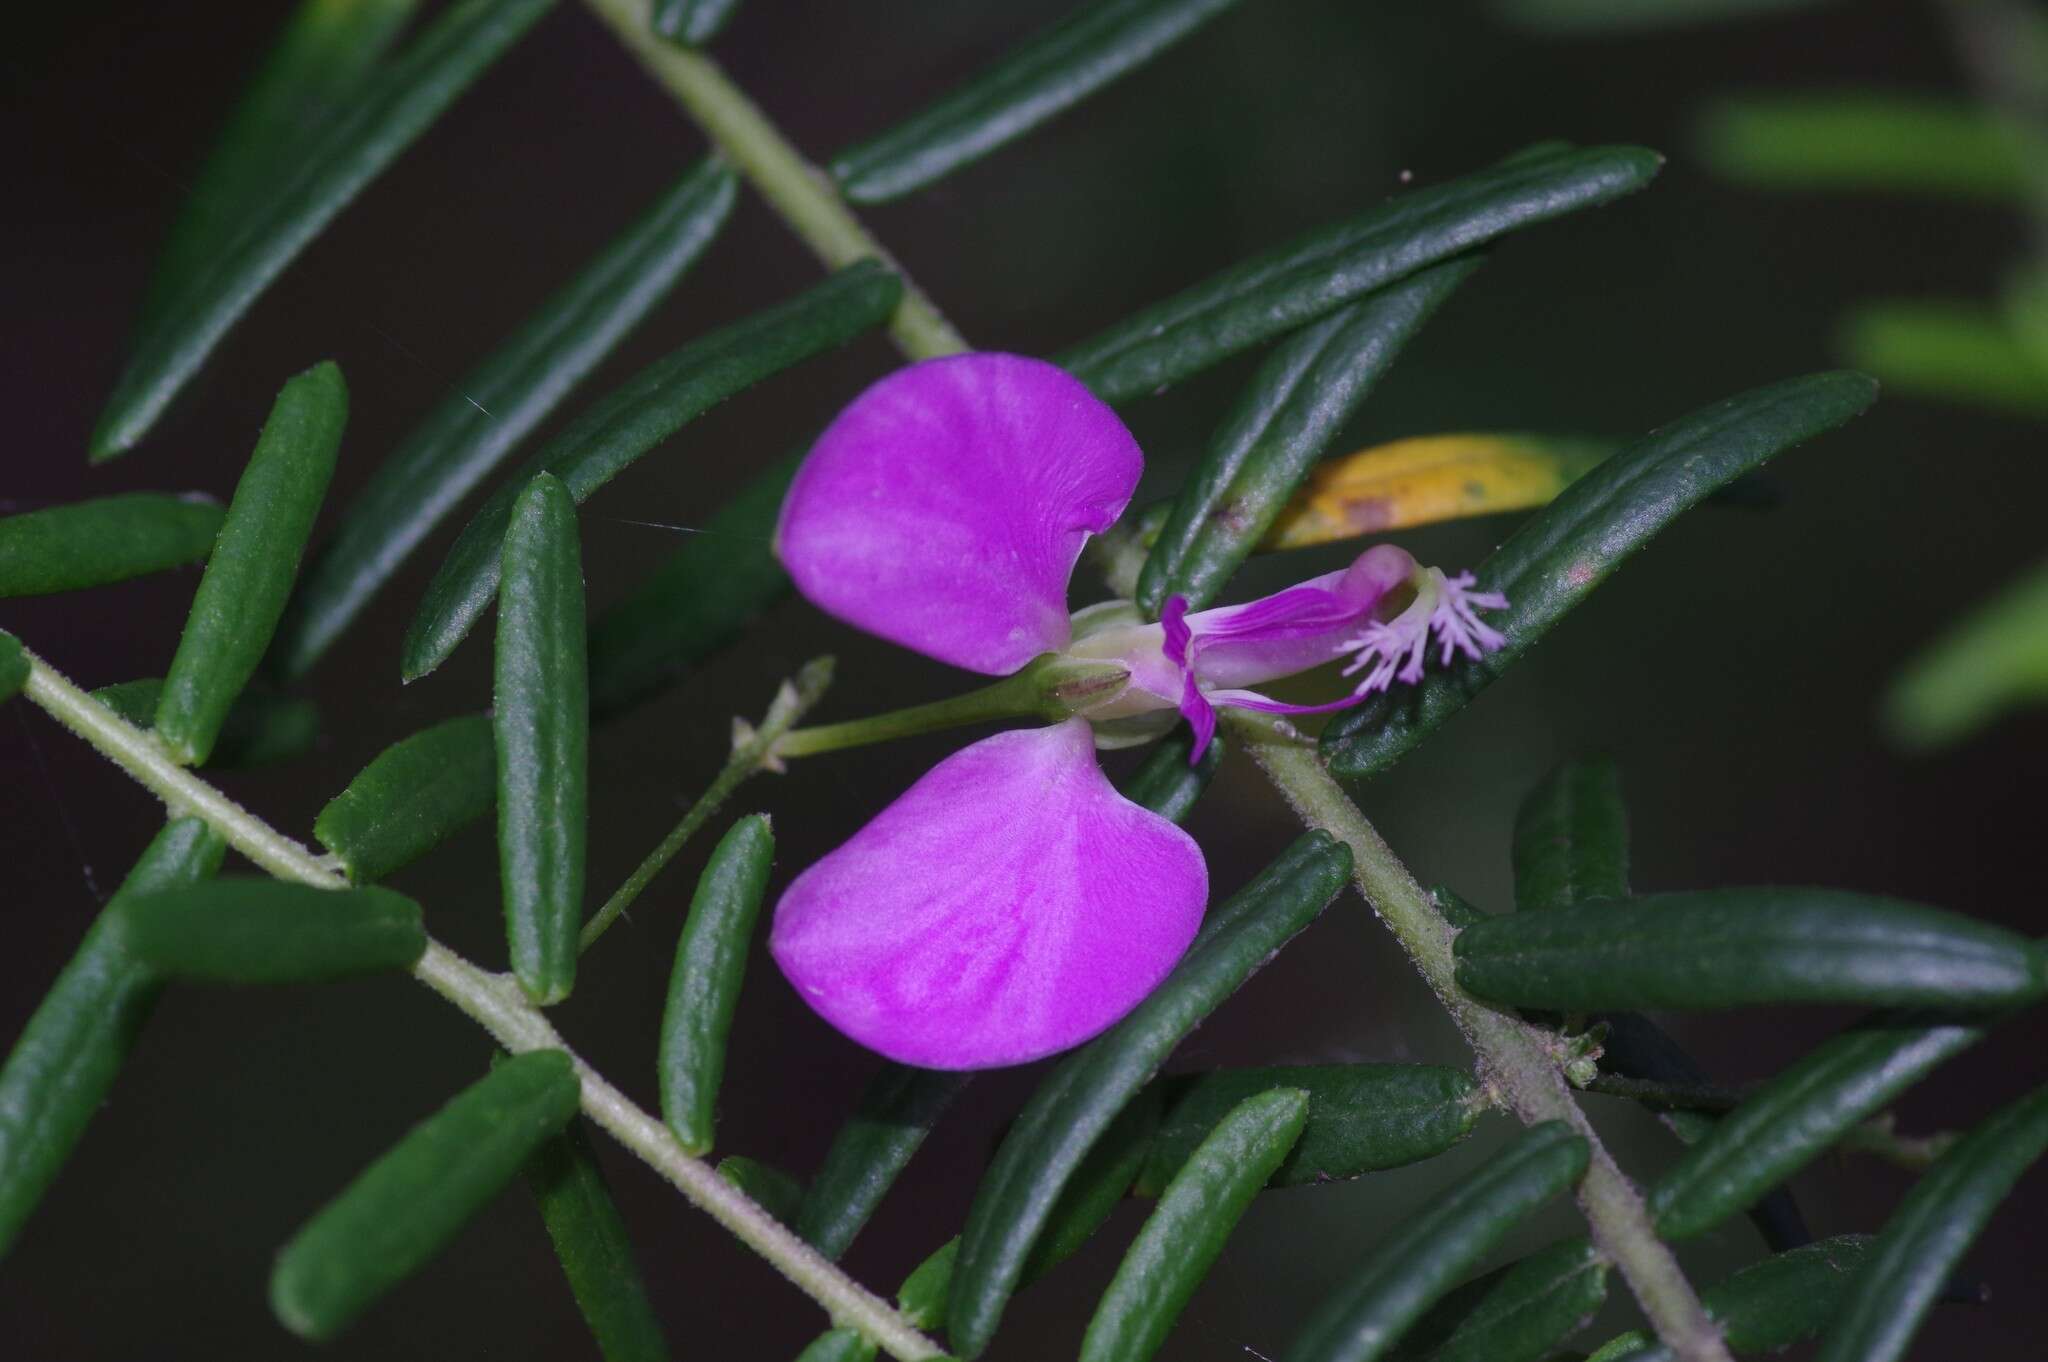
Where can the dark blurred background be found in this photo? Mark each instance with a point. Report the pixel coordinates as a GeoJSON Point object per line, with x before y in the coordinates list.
{"type": "Point", "coordinates": [1732, 670]}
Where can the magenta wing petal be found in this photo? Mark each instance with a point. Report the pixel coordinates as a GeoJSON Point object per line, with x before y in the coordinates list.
{"type": "Point", "coordinates": [944, 509]}
{"type": "Point", "coordinates": [1009, 905]}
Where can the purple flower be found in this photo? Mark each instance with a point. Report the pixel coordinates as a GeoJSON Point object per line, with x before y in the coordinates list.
{"type": "Point", "coordinates": [1011, 903]}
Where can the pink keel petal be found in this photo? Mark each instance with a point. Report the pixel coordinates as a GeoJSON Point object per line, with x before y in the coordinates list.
{"type": "Point", "coordinates": [944, 509]}
{"type": "Point", "coordinates": [1008, 905]}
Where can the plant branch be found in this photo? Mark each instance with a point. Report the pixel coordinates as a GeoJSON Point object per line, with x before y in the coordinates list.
{"type": "Point", "coordinates": [495, 1002]}
{"type": "Point", "coordinates": [799, 192]}
{"type": "Point", "coordinates": [753, 749]}
{"type": "Point", "coordinates": [1512, 1055]}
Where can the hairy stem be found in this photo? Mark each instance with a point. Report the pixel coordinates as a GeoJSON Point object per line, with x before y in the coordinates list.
{"type": "Point", "coordinates": [1513, 1057]}
{"type": "Point", "coordinates": [494, 1002]}
{"type": "Point", "coordinates": [799, 192]}
{"type": "Point", "coordinates": [753, 750]}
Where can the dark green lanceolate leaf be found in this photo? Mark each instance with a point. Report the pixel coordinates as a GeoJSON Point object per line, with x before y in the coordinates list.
{"type": "Point", "coordinates": [1167, 784]}
{"type": "Point", "coordinates": [1736, 947]}
{"type": "Point", "coordinates": [596, 1256]}
{"type": "Point", "coordinates": [704, 988]}
{"type": "Point", "coordinates": [493, 408]}
{"type": "Point", "coordinates": [1041, 78]}
{"type": "Point", "coordinates": [1293, 408]}
{"type": "Point", "coordinates": [896, 1112]}
{"type": "Point", "coordinates": [1770, 1305]}
{"type": "Point", "coordinates": [838, 1345]}
{"type": "Point", "coordinates": [1196, 1214]}
{"type": "Point", "coordinates": [412, 795]}
{"type": "Point", "coordinates": [692, 22]}
{"type": "Point", "coordinates": [1571, 838]}
{"type": "Point", "coordinates": [1400, 1279]}
{"type": "Point", "coordinates": [775, 1191]}
{"type": "Point", "coordinates": [1868, 140]}
{"type": "Point", "coordinates": [703, 598]}
{"type": "Point", "coordinates": [542, 722]}
{"type": "Point", "coordinates": [1457, 910]}
{"type": "Point", "coordinates": [1994, 659]}
{"type": "Point", "coordinates": [1930, 1231]}
{"type": "Point", "coordinates": [108, 539]}
{"type": "Point", "coordinates": [1076, 1103]}
{"type": "Point", "coordinates": [378, 120]}
{"type": "Point", "coordinates": [1293, 284]}
{"type": "Point", "coordinates": [1516, 1314]}
{"type": "Point", "coordinates": [1798, 1115]}
{"type": "Point", "coordinates": [258, 730]}
{"type": "Point", "coordinates": [1097, 1186]}
{"type": "Point", "coordinates": [1951, 351]}
{"type": "Point", "coordinates": [1569, 547]}
{"type": "Point", "coordinates": [319, 61]}
{"type": "Point", "coordinates": [1361, 1117]}
{"type": "Point", "coordinates": [14, 668]}
{"type": "Point", "coordinates": [404, 1207]}
{"type": "Point", "coordinates": [1637, 1047]}
{"type": "Point", "coordinates": [263, 931]}
{"type": "Point", "coordinates": [642, 412]}
{"type": "Point", "coordinates": [254, 560]}
{"type": "Point", "coordinates": [66, 1059]}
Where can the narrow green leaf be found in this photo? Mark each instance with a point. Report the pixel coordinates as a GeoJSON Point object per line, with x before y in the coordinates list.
{"type": "Point", "coordinates": [108, 539]}
{"type": "Point", "coordinates": [1798, 1115]}
{"type": "Point", "coordinates": [1737, 947]}
{"type": "Point", "coordinates": [1166, 783]}
{"type": "Point", "coordinates": [1096, 1188]}
{"type": "Point", "coordinates": [14, 667]}
{"type": "Point", "coordinates": [774, 1190]}
{"type": "Point", "coordinates": [65, 1061]}
{"type": "Point", "coordinates": [412, 795]}
{"type": "Point", "coordinates": [1588, 17]}
{"type": "Point", "coordinates": [1078, 1100]}
{"type": "Point", "coordinates": [1571, 838]}
{"type": "Point", "coordinates": [258, 731]}
{"type": "Point", "coordinates": [368, 131]}
{"type": "Point", "coordinates": [838, 1345]}
{"type": "Point", "coordinates": [542, 722]}
{"type": "Point", "coordinates": [319, 62]}
{"type": "Point", "coordinates": [1993, 660]}
{"type": "Point", "coordinates": [1949, 351]}
{"type": "Point", "coordinates": [1293, 284]}
{"type": "Point", "coordinates": [896, 1112]}
{"type": "Point", "coordinates": [1570, 546]}
{"type": "Point", "coordinates": [250, 572]}
{"type": "Point", "coordinates": [264, 931]}
{"type": "Point", "coordinates": [1770, 1305]}
{"type": "Point", "coordinates": [404, 1207]}
{"type": "Point", "coordinates": [704, 988]}
{"type": "Point", "coordinates": [692, 22]}
{"type": "Point", "coordinates": [1400, 1279]}
{"type": "Point", "coordinates": [1521, 1312]}
{"type": "Point", "coordinates": [1865, 140]}
{"type": "Point", "coordinates": [697, 602]}
{"type": "Point", "coordinates": [924, 1292]}
{"type": "Point", "coordinates": [1035, 82]}
{"type": "Point", "coordinates": [1930, 1231]}
{"type": "Point", "coordinates": [625, 424]}
{"type": "Point", "coordinates": [493, 408]}
{"type": "Point", "coordinates": [1282, 422]}
{"type": "Point", "coordinates": [1361, 1117]}
{"type": "Point", "coordinates": [596, 1256]}
{"type": "Point", "coordinates": [1196, 1213]}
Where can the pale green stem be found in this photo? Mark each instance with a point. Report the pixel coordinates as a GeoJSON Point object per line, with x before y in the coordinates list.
{"type": "Point", "coordinates": [753, 750]}
{"type": "Point", "coordinates": [1513, 1056]}
{"type": "Point", "coordinates": [495, 1002]}
{"type": "Point", "coordinates": [799, 192]}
